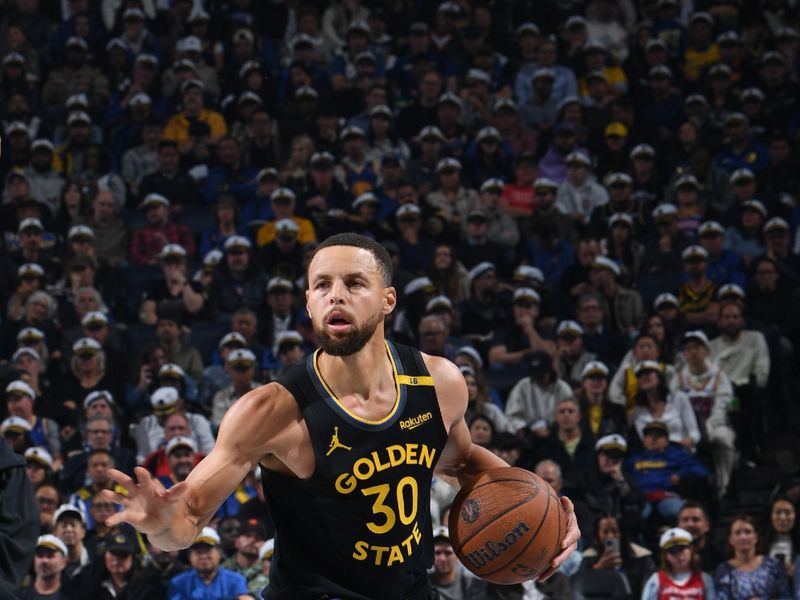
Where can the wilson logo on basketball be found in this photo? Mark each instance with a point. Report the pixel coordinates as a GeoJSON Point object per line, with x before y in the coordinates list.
{"type": "Point", "coordinates": [414, 422]}
{"type": "Point", "coordinates": [493, 549]}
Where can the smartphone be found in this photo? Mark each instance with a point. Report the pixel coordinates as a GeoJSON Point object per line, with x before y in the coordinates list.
{"type": "Point", "coordinates": [612, 544]}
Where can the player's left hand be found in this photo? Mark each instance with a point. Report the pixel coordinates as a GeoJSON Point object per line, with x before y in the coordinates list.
{"type": "Point", "coordinates": [570, 543]}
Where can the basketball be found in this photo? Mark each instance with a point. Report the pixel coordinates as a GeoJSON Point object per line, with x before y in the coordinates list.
{"type": "Point", "coordinates": [507, 525]}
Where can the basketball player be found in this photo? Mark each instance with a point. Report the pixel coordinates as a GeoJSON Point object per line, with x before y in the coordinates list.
{"type": "Point", "coordinates": [347, 443]}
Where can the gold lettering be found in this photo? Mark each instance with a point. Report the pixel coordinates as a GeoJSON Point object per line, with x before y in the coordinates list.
{"type": "Point", "coordinates": [379, 466]}
{"type": "Point", "coordinates": [357, 469]}
{"type": "Point", "coordinates": [411, 454]}
{"type": "Point", "coordinates": [379, 551]}
{"type": "Point", "coordinates": [426, 455]}
{"type": "Point", "coordinates": [407, 542]}
{"type": "Point", "coordinates": [415, 532]}
{"type": "Point", "coordinates": [397, 454]}
{"type": "Point", "coordinates": [395, 556]}
{"type": "Point", "coordinates": [345, 483]}
{"type": "Point", "coordinates": [361, 550]}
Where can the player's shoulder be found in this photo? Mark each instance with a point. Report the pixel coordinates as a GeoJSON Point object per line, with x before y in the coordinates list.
{"type": "Point", "coordinates": [443, 371]}
{"type": "Point", "coordinates": [271, 400]}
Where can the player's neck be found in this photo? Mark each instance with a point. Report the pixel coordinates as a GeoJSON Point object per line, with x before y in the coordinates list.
{"type": "Point", "coordinates": [360, 373]}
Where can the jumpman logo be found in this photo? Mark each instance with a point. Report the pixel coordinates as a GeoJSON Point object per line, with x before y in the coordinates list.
{"type": "Point", "coordinates": [335, 443]}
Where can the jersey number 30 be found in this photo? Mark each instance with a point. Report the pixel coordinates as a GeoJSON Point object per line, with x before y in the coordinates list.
{"type": "Point", "coordinates": [407, 512]}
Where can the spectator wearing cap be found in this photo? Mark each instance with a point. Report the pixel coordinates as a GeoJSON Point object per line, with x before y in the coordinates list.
{"type": "Point", "coordinates": [781, 175]}
{"type": "Point", "coordinates": [476, 245]}
{"type": "Point", "coordinates": [724, 266]}
{"type": "Point", "coordinates": [228, 223]}
{"type": "Point", "coordinates": [579, 195]}
{"type": "Point", "coordinates": [501, 227]}
{"type": "Point", "coordinates": [119, 563]}
{"type": "Point", "coordinates": [608, 489]}
{"type": "Point", "coordinates": [680, 570]}
{"type": "Point", "coordinates": [283, 202]}
{"type": "Point", "coordinates": [29, 279]}
{"type": "Point", "coordinates": [206, 576]}
{"type": "Point", "coordinates": [178, 128]}
{"type": "Point", "coordinates": [356, 171]}
{"type": "Point", "coordinates": [75, 77]}
{"type": "Point", "coordinates": [486, 306]}
{"type": "Point", "coordinates": [451, 199]}
{"type": "Point", "coordinates": [665, 472]}
{"type": "Point", "coordinates": [487, 157]}
{"type": "Point", "coordinates": [151, 430]}
{"type": "Point", "coordinates": [245, 561]}
{"type": "Point", "coordinates": [176, 424]}
{"type": "Point", "coordinates": [532, 401]}
{"type": "Point", "coordinates": [701, 49]}
{"type": "Point", "coordinates": [45, 182]}
{"type": "Point", "coordinates": [232, 176]}
{"type": "Point", "coordinates": [291, 351]}
{"type": "Point", "coordinates": [277, 314]}
{"type": "Point", "coordinates": [571, 356]}
{"type": "Point", "coordinates": [540, 109]}
{"type": "Point", "coordinates": [181, 452]}
{"type": "Point", "coordinates": [49, 562]}
{"type": "Point", "coordinates": [241, 368]}
{"type": "Point", "coordinates": [648, 183]}
{"type": "Point", "coordinates": [39, 466]}
{"type": "Point", "coordinates": [710, 392]}
{"type": "Point", "coordinates": [70, 528]}
{"type": "Point", "coordinates": [613, 155]}
{"type": "Point", "coordinates": [621, 246]}
{"type": "Point", "coordinates": [414, 247]}
{"type": "Point", "coordinates": [449, 577]}
{"type": "Point", "coordinates": [564, 82]}
{"type": "Point", "coordinates": [777, 247]}
{"type": "Point", "coordinates": [168, 179]}
{"type": "Point", "coordinates": [696, 296]}
{"type": "Point", "coordinates": [215, 377]}
{"type": "Point", "coordinates": [148, 242]}
{"type": "Point", "coordinates": [654, 401]}
{"type": "Point", "coordinates": [110, 232]}
{"type": "Point", "coordinates": [624, 304]}
{"type": "Point", "coordinates": [746, 235]}
{"type": "Point", "coordinates": [172, 291]}
{"type": "Point", "coordinates": [324, 191]}
{"type": "Point", "coordinates": [740, 151]}
{"type": "Point", "coordinates": [239, 282]}
{"type": "Point", "coordinates": [514, 342]}
{"type": "Point", "coordinates": [43, 431]}
{"type": "Point", "coordinates": [553, 164]}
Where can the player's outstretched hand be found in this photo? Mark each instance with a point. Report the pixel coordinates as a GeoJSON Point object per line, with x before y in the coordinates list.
{"type": "Point", "coordinates": [147, 505]}
{"type": "Point", "coordinates": [570, 540]}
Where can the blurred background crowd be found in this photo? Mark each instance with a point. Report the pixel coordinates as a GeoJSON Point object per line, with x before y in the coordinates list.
{"type": "Point", "coordinates": [591, 208]}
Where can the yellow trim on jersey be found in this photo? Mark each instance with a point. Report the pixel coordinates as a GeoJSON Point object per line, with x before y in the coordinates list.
{"type": "Point", "coordinates": [415, 379]}
{"type": "Point", "coordinates": [347, 410]}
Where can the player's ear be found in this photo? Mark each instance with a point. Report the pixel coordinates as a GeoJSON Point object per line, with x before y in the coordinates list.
{"type": "Point", "coordinates": [389, 300]}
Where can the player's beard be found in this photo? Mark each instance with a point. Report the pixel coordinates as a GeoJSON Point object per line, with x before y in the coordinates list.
{"type": "Point", "coordinates": [350, 344]}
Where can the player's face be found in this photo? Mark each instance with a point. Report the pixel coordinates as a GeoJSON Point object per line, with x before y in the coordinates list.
{"type": "Point", "coordinates": [347, 299]}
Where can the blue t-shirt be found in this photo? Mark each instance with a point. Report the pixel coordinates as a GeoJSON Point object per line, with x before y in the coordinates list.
{"type": "Point", "coordinates": [188, 586]}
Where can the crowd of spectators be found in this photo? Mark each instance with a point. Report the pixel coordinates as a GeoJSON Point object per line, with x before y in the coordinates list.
{"type": "Point", "coordinates": [591, 207]}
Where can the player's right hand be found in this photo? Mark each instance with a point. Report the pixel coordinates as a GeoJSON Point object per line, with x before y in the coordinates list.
{"type": "Point", "coordinates": [147, 505]}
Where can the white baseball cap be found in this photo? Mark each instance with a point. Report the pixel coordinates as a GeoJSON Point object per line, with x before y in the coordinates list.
{"type": "Point", "coordinates": [52, 542]}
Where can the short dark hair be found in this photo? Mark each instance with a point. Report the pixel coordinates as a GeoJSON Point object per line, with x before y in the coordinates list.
{"type": "Point", "coordinates": [694, 504]}
{"type": "Point", "coordinates": [356, 240]}
{"type": "Point", "coordinates": [98, 451]}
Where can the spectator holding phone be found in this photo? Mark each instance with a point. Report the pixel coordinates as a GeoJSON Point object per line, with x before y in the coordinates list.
{"type": "Point", "coordinates": [614, 551]}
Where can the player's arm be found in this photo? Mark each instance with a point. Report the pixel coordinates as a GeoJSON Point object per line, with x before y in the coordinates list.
{"type": "Point", "coordinates": [460, 458]}
{"type": "Point", "coordinates": [172, 518]}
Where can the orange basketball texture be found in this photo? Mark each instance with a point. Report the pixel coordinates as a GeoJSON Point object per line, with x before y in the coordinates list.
{"type": "Point", "coordinates": [507, 525]}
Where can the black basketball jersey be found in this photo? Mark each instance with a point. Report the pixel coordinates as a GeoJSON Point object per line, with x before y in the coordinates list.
{"type": "Point", "coordinates": [359, 528]}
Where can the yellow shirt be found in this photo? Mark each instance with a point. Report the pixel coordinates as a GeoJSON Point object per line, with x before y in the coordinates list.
{"type": "Point", "coordinates": [266, 233]}
{"type": "Point", "coordinates": [615, 77]}
{"type": "Point", "coordinates": [695, 60]}
{"type": "Point", "coordinates": [178, 126]}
